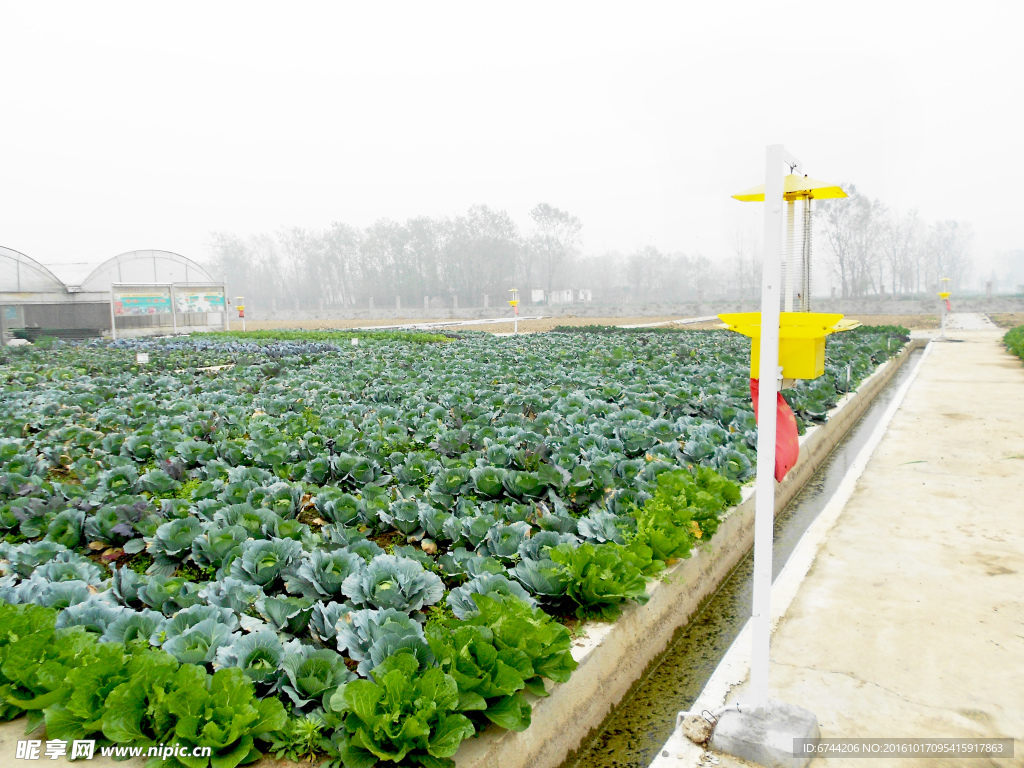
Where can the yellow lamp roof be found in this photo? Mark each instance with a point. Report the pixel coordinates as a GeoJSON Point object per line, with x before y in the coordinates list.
{"type": "Point", "coordinates": [792, 325]}
{"type": "Point", "coordinates": [796, 188]}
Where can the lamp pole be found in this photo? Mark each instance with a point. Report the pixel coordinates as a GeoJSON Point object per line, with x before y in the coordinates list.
{"type": "Point", "coordinates": [514, 301]}
{"type": "Point", "coordinates": [768, 374]}
{"type": "Point", "coordinates": [944, 297]}
{"type": "Point", "coordinates": [758, 728]}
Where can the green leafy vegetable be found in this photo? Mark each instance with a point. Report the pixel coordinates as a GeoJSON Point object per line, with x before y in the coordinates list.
{"type": "Point", "coordinates": [404, 713]}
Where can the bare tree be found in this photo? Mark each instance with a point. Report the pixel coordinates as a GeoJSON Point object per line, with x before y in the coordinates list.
{"type": "Point", "coordinates": [899, 238]}
{"type": "Point", "coordinates": [950, 243]}
{"type": "Point", "coordinates": [606, 275]}
{"type": "Point", "coordinates": [340, 262]}
{"type": "Point", "coordinates": [231, 259]}
{"type": "Point", "coordinates": [746, 265]}
{"type": "Point", "coordinates": [870, 214]}
{"type": "Point", "coordinates": [555, 240]}
{"type": "Point", "coordinates": [851, 228]}
{"type": "Point", "coordinates": [646, 274]}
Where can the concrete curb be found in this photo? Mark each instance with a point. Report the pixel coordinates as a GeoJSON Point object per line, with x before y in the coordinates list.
{"type": "Point", "coordinates": [613, 656]}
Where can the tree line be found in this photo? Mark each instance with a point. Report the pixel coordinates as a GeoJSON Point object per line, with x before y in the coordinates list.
{"type": "Point", "coordinates": [448, 261]}
{"type": "Point", "coordinates": [444, 261]}
{"type": "Point", "coordinates": [873, 250]}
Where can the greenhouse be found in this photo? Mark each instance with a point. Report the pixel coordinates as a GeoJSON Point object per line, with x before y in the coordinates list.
{"type": "Point", "coordinates": [135, 293]}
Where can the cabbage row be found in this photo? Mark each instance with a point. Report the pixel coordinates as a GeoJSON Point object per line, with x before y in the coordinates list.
{"type": "Point", "coordinates": [391, 533]}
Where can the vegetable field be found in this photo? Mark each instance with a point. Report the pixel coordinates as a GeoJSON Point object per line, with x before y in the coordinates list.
{"type": "Point", "coordinates": [361, 554]}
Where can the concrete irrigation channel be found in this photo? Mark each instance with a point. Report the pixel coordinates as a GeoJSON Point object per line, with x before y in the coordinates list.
{"type": "Point", "coordinates": [635, 731]}
{"type": "Point", "coordinates": [613, 657]}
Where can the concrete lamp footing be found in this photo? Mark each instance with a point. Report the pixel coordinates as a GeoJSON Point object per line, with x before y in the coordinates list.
{"type": "Point", "coordinates": [766, 737]}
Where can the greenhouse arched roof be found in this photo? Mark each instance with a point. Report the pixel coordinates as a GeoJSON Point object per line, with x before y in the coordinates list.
{"type": "Point", "coordinates": [22, 274]}
{"type": "Point", "coordinates": [144, 267]}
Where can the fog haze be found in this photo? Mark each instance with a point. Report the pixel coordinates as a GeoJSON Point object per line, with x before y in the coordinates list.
{"type": "Point", "coordinates": [141, 126]}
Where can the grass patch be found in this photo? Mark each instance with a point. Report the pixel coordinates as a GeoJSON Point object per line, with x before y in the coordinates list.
{"type": "Point", "coordinates": [194, 573]}
{"type": "Point", "coordinates": [138, 562]}
{"type": "Point", "coordinates": [1014, 340]}
{"type": "Point", "coordinates": [1007, 319]}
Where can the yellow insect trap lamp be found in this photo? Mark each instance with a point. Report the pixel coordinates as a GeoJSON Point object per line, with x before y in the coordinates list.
{"type": "Point", "coordinates": [784, 334]}
{"type": "Point", "coordinates": [801, 332]}
{"type": "Point", "coordinates": [514, 303]}
{"type": "Point", "coordinates": [945, 307]}
{"type": "Point", "coordinates": [801, 340]}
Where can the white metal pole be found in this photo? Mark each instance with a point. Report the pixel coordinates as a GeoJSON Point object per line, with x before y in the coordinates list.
{"type": "Point", "coordinates": [174, 309]}
{"type": "Point", "coordinates": [764, 512]}
{"type": "Point", "coordinates": [790, 257]}
{"type": "Point", "coordinates": [113, 319]}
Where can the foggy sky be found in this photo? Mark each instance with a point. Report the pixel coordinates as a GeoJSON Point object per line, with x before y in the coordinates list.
{"type": "Point", "coordinates": [129, 125]}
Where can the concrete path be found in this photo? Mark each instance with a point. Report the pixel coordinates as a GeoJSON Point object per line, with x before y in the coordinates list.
{"type": "Point", "coordinates": [969, 321]}
{"type": "Point", "coordinates": [910, 621]}
{"type": "Point", "coordinates": [680, 321]}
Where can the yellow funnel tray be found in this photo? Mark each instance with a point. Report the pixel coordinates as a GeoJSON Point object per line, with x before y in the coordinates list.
{"type": "Point", "coordinates": [795, 188]}
{"type": "Point", "coordinates": [801, 339]}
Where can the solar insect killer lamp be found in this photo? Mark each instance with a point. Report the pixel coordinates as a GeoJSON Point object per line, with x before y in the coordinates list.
{"type": "Point", "coordinates": [801, 332]}
{"type": "Point", "coordinates": [514, 303]}
{"type": "Point", "coordinates": [241, 309]}
{"type": "Point", "coordinates": [788, 342]}
{"type": "Point", "coordinates": [801, 340]}
{"type": "Point", "coordinates": [944, 294]}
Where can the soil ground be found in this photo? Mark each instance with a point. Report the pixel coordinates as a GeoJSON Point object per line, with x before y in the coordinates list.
{"type": "Point", "coordinates": [528, 325]}
{"type": "Point", "coordinates": [328, 324]}
{"type": "Point", "coordinates": [1008, 319]}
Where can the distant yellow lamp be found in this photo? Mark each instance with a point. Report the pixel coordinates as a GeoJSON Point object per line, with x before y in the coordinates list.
{"type": "Point", "coordinates": [944, 294]}
{"type": "Point", "coordinates": [514, 301]}
{"type": "Point", "coordinates": [801, 339]}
